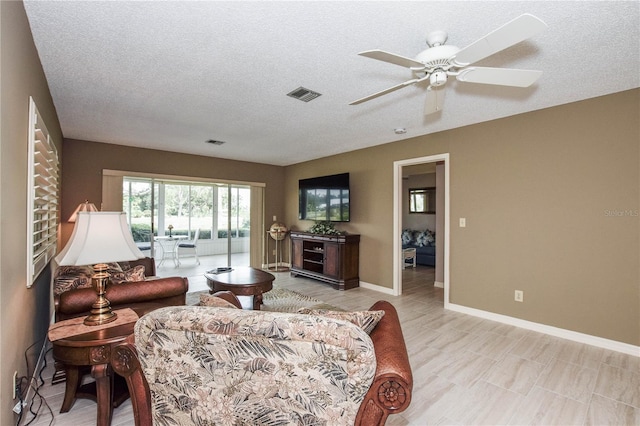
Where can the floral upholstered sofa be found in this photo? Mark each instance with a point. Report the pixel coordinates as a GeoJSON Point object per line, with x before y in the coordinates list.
{"type": "Point", "coordinates": [226, 366]}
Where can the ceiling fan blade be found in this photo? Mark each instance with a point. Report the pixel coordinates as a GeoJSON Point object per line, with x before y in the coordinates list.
{"type": "Point", "coordinates": [499, 76]}
{"type": "Point", "coordinates": [389, 90]}
{"type": "Point", "coordinates": [435, 100]}
{"type": "Point", "coordinates": [513, 32]}
{"type": "Point", "coordinates": [392, 58]}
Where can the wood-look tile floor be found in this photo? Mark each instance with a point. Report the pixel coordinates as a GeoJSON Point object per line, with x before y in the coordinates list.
{"type": "Point", "coordinates": [467, 370]}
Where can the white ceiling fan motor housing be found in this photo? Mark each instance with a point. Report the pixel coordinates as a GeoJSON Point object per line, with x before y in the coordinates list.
{"type": "Point", "coordinates": [438, 78]}
{"type": "Point", "coordinates": [437, 57]}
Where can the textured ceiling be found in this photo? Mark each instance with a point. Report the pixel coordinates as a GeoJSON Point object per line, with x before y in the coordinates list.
{"type": "Point", "coordinates": [171, 75]}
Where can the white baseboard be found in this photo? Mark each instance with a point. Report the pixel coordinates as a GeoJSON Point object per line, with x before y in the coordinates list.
{"type": "Point", "coordinates": [550, 330]}
{"type": "Point", "coordinates": [374, 287]}
{"type": "Point", "coordinates": [438, 284]}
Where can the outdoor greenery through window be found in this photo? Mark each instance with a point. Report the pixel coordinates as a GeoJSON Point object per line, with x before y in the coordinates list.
{"type": "Point", "coordinates": [219, 211]}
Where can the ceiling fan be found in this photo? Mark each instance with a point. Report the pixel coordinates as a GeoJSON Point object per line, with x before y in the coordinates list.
{"type": "Point", "coordinates": [440, 61]}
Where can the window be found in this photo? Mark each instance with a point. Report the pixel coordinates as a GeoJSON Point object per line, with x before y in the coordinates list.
{"type": "Point", "coordinates": [42, 204]}
{"type": "Point", "coordinates": [139, 194]}
{"type": "Point", "coordinates": [422, 200]}
{"type": "Point", "coordinates": [218, 210]}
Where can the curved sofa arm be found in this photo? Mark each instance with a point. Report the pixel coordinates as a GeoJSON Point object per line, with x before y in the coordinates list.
{"type": "Point", "coordinates": [390, 392]}
{"type": "Point", "coordinates": [125, 362]}
{"type": "Point", "coordinates": [229, 297]}
{"type": "Point", "coordinates": [147, 294]}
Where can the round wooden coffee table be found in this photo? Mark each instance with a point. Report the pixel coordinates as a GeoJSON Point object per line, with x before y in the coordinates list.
{"type": "Point", "coordinates": [242, 281]}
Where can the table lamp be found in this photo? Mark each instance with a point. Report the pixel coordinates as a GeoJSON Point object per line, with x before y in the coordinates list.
{"type": "Point", "coordinates": [82, 207]}
{"type": "Point", "coordinates": [99, 238]}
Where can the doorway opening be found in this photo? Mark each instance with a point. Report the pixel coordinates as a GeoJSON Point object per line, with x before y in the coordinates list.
{"type": "Point", "coordinates": [398, 192]}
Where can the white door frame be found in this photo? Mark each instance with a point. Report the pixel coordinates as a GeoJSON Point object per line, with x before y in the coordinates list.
{"type": "Point", "coordinates": [397, 219]}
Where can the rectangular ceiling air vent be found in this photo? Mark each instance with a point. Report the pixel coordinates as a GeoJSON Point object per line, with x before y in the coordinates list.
{"type": "Point", "coordinates": [303, 94]}
{"type": "Point", "coordinates": [215, 142]}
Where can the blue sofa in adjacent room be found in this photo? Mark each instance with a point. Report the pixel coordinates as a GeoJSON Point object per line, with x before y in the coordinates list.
{"type": "Point", "coordinates": [425, 244]}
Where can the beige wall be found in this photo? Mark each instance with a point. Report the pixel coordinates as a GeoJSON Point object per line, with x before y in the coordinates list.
{"type": "Point", "coordinates": [84, 162]}
{"type": "Point", "coordinates": [24, 313]}
{"type": "Point", "coordinates": [537, 191]}
{"type": "Point", "coordinates": [551, 200]}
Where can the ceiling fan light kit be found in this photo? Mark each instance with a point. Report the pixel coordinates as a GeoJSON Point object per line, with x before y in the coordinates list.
{"type": "Point", "coordinates": [438, 78]}
{"type": "Point", "coordinates": [440, 61]}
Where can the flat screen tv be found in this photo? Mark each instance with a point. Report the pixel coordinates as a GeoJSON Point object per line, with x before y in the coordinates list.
{"type": "Point", "coordinates": [324, 198]}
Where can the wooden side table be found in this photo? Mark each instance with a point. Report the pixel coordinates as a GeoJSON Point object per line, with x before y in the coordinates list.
{"type": "Point", "coordinates": [78, 346]}
{"type": "Point", "coordinates": [408, 255]}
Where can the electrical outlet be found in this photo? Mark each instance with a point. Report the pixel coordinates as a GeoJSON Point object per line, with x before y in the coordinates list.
{"type": "Point", "coordinates": [15, 384]}
{"type": "Point", "coordinates": [273, 252]}
{"type": "Point", "coordinates": [519, 296]}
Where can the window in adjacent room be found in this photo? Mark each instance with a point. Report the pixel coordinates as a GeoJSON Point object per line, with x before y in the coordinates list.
{"type": "Point", "coordinates": [422, 200]}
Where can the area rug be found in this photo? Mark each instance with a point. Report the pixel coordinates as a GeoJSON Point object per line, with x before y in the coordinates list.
{"type": "Point", "coordinates": [278, 300]}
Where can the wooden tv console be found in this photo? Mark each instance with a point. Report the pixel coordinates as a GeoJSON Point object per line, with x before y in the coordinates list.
{"type": "Point", "coordinates": [333, 259]}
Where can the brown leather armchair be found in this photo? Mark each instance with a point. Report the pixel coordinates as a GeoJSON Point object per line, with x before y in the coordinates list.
{"type": "Point", "coordinates": [389, 393]}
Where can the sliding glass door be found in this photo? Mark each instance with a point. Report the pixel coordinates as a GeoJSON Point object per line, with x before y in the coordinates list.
{"type": "Point", "coordinates": [232, 222]}
{"type": "Point", "coordinates": [139, 202]}
{"type": "Point", "coordinates": [220, 211]}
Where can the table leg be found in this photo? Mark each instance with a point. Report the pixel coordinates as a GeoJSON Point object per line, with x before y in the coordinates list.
{"type": "Point", "coordinates": [163, 253]}
{"type": "Point", "coordinates": [176, 260]}
{"type": "Point", "coordinates": [72, 374]}
{"type": "Point", "coordinates": [104, 390]}
{"type": "Point", "coordinates": [257, 301]}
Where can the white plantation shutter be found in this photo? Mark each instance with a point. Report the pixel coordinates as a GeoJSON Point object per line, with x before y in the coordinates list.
{"type": "Point", "coordinates": [43, 192]}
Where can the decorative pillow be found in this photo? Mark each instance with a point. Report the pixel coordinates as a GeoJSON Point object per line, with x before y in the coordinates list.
{"type": "Point", "coordinates": [431, 237]}
{"type": "Point", "coordinates": [72, 277]}
{"type": "Point", "coordinates": [407, 236]}
{"type": "Point", "coordinates": [217, 302]}
{"type": "Point", "coordinates": [74, 271]}
{"type": "Point", "coordinates": [131, 275]}
{"type": "Point", "coordinates": [425, 238]}
{"type": "Point", "coordinates": [325, 307]}
{"type": "Point", "coordinates": [113, 268]}
{"type": "Point", "coordinates": [366, 320]}
{"type": "Point", "coordinates": [66, 283]}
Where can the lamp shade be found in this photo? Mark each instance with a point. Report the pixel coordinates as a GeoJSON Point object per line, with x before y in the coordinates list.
{"type": "Point", "coordinates": [82, 207]}
{"type": "Point", "coordinates": [99, 237]}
